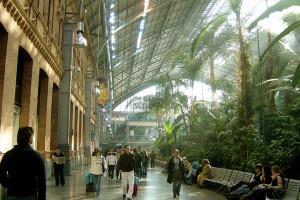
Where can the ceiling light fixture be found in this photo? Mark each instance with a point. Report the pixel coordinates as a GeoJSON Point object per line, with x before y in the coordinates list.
{"type": "Point", "coordinates": [80, 41]}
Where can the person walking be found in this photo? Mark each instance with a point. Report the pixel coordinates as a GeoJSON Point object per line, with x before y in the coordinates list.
{"type": "Point", "coordinates": [138, 163]}
{"type": "Point", "coordinates": [22, 169]}
{"type": "Point", "coordinates": [98, 167]}
{"type": "Point", "coordinates": [59, 163]}
{"type": "Point", "coordinates": [152, 158]}
{"type": "Point", "coordinates": [127, 171]}
{"type": "Point", "coordinates": [176, 172]}
{"type": "Point", "coordinates": [118, 154]}
{"type": "Point", "coordinates": [111, 159]}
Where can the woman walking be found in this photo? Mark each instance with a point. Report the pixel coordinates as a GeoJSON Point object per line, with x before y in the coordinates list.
{"type": "Point", "coordinates": [176, 172]}
{"type": "Point", "coordinates": [98, 167]}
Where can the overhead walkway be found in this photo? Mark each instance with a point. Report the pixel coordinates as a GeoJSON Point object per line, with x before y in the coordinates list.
{"type": "Point", "coordinates": [154, 187]}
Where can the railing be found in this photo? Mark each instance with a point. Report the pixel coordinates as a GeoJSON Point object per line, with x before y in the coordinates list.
{"type": "Point", "coordinates": [39, 24]}
{"type": "Point", "coordinates": [126, 138]}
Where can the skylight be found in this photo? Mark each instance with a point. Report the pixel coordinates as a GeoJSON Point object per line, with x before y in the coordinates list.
{"type": "Point", "coordinates": [142, 24]}
{"type": "Point", "coordinates": [112, 20]}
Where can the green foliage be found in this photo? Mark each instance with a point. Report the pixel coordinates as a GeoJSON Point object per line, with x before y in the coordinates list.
{"type": "Point", "coordinates": [239, 131]}
{"type": "Point", "coordinates": [281, 5]}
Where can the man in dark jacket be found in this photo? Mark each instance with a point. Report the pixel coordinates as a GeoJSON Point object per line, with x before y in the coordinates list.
{"type": "Point", "coordinates": [22, 169]}
{"type": "Point", "coordinates": [59, 162]}
{"type": "Point", "coordinates": [127, 169]}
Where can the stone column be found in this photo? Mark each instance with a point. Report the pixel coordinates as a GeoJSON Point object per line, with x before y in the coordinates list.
{"type": "Point", "coordinates": [87, 120]}
{"type": "Point", "coordinates": [65, 94]}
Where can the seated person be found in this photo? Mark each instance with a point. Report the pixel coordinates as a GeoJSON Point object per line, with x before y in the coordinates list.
{"type": "Point", "coordinates": [193, 172]}
{"type": "Point", "coordinates": [205, 174]}
{"type": "Point", "coordinates": [256, 191]}
{"type": "Point", "coordinates": [187, 165]}
{"type": "Point", "coordinates": [273, 189]}
{"type": "Point", "coordinates": [244, 187]}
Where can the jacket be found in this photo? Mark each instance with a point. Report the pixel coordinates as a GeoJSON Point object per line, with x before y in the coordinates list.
{"type": "Point", "coordinates": [98, 165]}
{"type": "Point", "coordinates": [111, 158]}
{"type": "Point", "coordinates": [171, 169]}
{"type": "Point", "coordinates": [22, 172]}
{"type": "Point", "coordinates": [127, 162]}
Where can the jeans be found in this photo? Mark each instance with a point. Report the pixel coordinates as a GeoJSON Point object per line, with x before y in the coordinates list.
{"type": "Point", "coordinates": [152, 163]}
{"type": "Point", "coordinates": [118, 172]}
{"type": "Point", "coordinates": [144, 169]}
{"type": "Point", "coordinates": [244, 189]}
{"type": "Point", "coordinates": [138, 169]}
{"type": "Point", "coordinates": [191, 174]}
{"type": "Point", "coordinates": [176, 186]}
{"type": "Point", "coordinates": [97, 183]}
{"type": "Point", "coordinates": [111, 169]}
{"type": "Point", "coordinates": [21, 198]}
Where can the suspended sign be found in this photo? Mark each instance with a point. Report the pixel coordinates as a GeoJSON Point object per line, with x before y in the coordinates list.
{"type": "Point", "coordinates": [102, 98]}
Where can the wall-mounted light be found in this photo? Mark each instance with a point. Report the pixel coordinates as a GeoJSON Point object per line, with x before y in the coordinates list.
{"type": "Point", "coordinates": [97, 89]}
{"type": "Point", "coordinates": [77, 69]}
{"type": "Point", "coordinates": [80, 41]}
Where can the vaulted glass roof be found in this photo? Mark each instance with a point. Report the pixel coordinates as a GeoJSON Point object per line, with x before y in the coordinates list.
{"type": "Point", "coordinates": [130, 38]}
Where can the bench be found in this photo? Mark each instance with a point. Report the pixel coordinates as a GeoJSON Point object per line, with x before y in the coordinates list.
{"type": "Point", "coordinates": [226, 178]}
{"type": "Point", "coordinates": [292, 190]}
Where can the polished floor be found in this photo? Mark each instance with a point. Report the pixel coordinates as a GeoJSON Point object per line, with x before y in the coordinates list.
{"type": "Point", "coordinates": [154, 187]}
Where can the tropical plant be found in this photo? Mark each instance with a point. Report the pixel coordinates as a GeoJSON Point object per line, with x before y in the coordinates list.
{"type": "Point", "coordinates": [244, 69]}
{"type": "Point", "coordinates": [281, 5]}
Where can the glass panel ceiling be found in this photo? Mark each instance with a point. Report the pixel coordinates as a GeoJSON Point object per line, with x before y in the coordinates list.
{"type": "Point", "coordinates": [137, 40]}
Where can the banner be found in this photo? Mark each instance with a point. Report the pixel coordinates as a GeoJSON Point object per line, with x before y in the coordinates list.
{"type": "Point", "coordinates": [103, 97]}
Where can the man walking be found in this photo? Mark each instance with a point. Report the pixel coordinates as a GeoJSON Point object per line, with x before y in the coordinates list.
{"type": "Point", "coordinates": [127, 169]}
{"type": "Point", "coordinates": [22, 169]}
{"type": "Point", "coordinates": [59, 163]}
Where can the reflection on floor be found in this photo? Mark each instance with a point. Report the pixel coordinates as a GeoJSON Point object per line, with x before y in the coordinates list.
{"type": "Point", "coordinates": [154, 187]}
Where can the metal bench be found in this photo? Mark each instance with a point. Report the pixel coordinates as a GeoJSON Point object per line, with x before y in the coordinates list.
{"type": "Point", "coordinates": [217, 183]}
{"type": "Point", "coordinates": [223, 184]}
{"type": "Point", "coordinates": [292, 191]}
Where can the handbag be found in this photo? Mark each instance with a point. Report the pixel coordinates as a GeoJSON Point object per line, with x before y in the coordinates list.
{"type": "Point", "coordinates": [103, 169]}
{"type": "Point", "coordinates": [170, 178]}
{"type": "Point", "coordinates": [275, 194]}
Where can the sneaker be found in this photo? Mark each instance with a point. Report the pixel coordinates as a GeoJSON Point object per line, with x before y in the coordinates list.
{"type": "Point", "coordinates": [124, 195]}
{"type": "Point", "coordinates": [174, 196]}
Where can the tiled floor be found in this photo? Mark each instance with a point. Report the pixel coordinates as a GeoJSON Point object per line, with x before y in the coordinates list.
{"type": "Point", "coordinates": [154, 187]}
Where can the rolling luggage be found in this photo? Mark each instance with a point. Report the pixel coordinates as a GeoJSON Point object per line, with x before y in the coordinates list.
{"type": "Point", "coordinates": [135, 186]}
{"type": "Point", "coordinates": [88, 179]}
{"type": "Point", "coordinates": [89, 187]}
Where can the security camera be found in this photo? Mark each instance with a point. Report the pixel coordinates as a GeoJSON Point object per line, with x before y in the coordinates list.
{"type": "Point", "coordinates": [78, 69]}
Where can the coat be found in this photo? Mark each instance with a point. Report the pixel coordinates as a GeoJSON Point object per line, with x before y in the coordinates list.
{"type": "Point", "coordinates": [171, 169]}
{"type": "Point", "coordinates": [98, 165]}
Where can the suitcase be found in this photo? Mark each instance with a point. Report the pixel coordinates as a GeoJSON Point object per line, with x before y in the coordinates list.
{"type": "Point", "coordinates": [135, 189]}
{"type": "Point", "coordinates": [89, 188]}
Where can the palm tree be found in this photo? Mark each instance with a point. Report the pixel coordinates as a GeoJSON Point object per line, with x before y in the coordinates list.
{"type": "Point", "coordinates": [244, 68]}
{"type": "Point", "coordinates": [281, 5]}
{"type": "Point", "coordinates": [212, 43]}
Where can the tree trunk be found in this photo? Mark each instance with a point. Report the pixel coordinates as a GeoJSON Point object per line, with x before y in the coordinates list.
{"type": "Point", "coordinates": [244, 101]}
{"type": "Point", "coordinates": [272, 105]}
